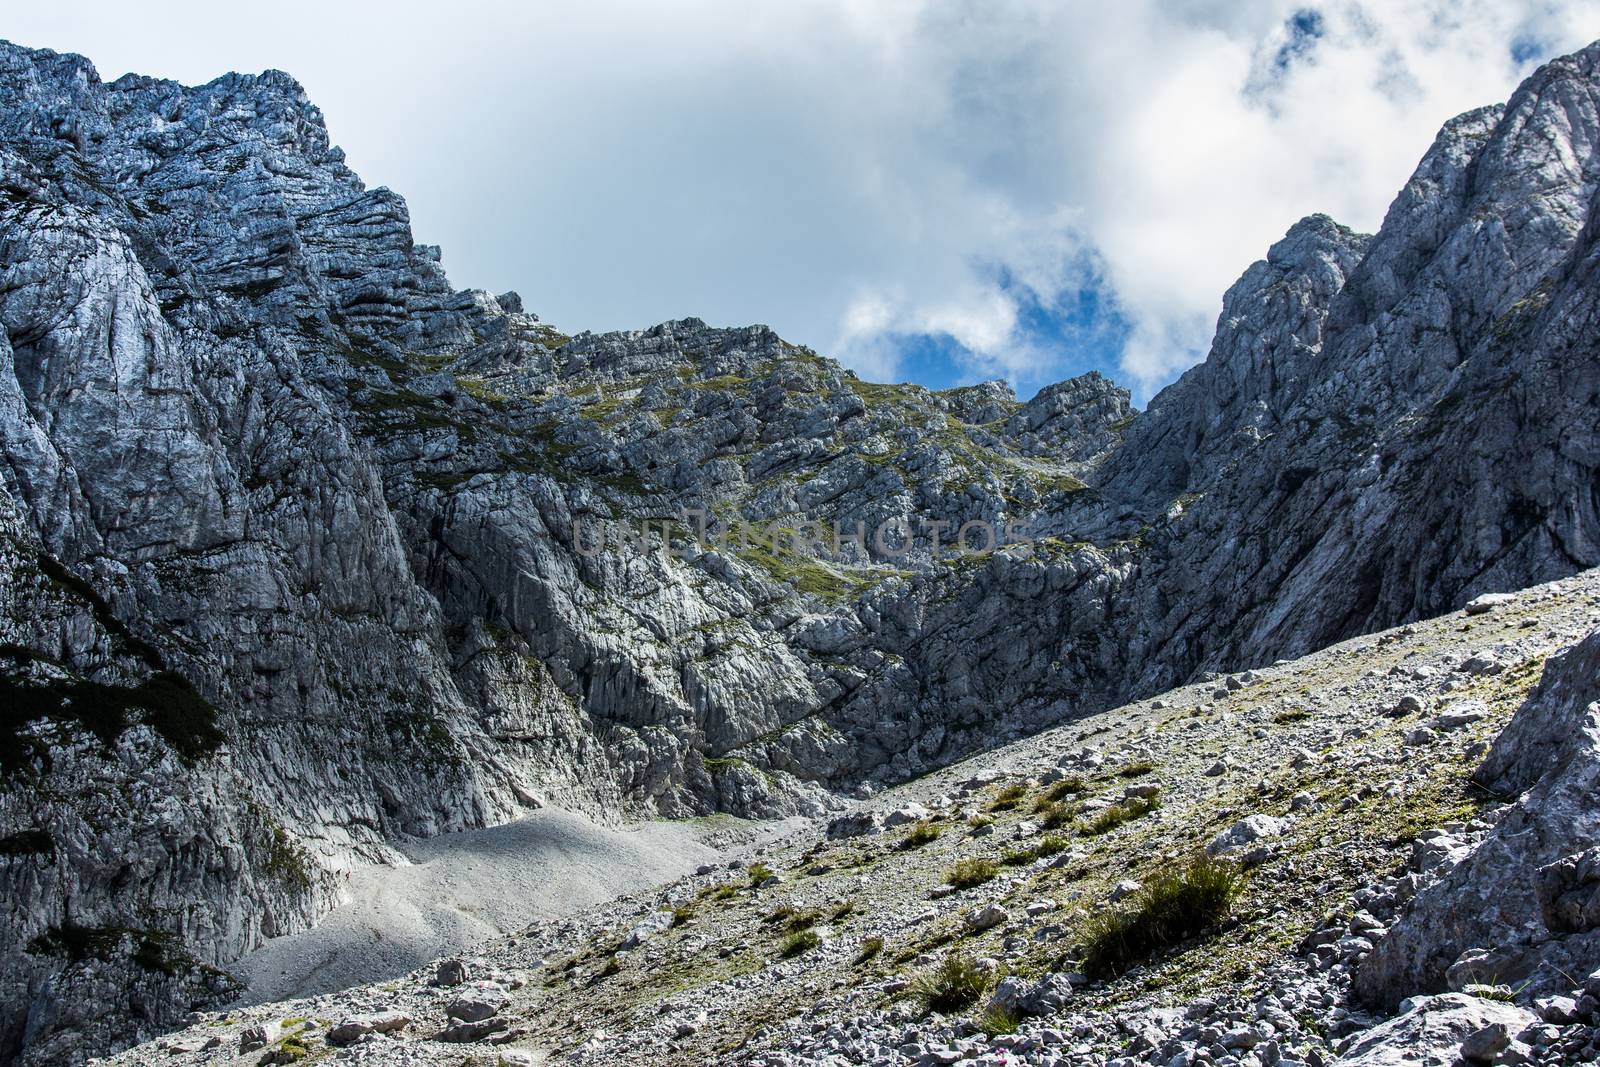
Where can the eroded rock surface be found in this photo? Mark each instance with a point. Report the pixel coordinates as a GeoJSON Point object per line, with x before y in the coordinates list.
{"type": "Point", "coordinates": [1522, 908]}
{"type": "Point", "coordinates": [293, 531]}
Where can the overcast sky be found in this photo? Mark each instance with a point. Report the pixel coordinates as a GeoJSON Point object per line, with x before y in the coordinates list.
{"type": "Point", "coordinates": [926, 189]}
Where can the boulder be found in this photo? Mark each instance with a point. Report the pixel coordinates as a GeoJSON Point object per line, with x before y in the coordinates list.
{"type": "Point", "coordinates": [1430, 1031]}
{"type": "Point", "coordinates": [354, 1027]}
{"type": "Point", "coordinates": [911, 813]}
{"type": "Point", "coordinates": [1488, 602]}
{"type": "Point", "coordinates": [477, 1005]}
{"type": "Point", "coordinates": [450, 972]}
{"type": "Point", "coordinates": [855, 824]}
{"type": "Point", "coordinates": [1246, 831]}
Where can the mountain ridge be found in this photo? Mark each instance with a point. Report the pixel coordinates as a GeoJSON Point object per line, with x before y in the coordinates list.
{"type": "Point", "coordinates": [251, 429]}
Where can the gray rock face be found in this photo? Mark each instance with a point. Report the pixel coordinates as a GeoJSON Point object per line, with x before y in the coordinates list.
{"type": "Point", "coordinates": [297, 538]}
{"type": "Point", "coordinates": [1522, 908]}
{"type": "Point", "coordinates": [1439, 1032]}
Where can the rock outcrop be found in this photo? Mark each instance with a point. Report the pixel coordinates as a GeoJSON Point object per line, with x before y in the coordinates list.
{"type": "Point", "coordinates": [299, 541]}
{"type": "Point", "coordinates": [1522, 908]}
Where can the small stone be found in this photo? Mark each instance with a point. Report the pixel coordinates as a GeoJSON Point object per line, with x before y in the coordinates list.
{"type": "Point", "coordinates": [911, 813]}
{"type": "Point", "coordinates": [1410, 704]}
{"type": "Point", "coordinates": [259, 1036]}
{"type": "Point", "coordinates": [1246, 831]}
{"type": "Point", "coordinates": [855, 824]}
{"type": "Point", "coordinates": [1488, 602]}
{"type": "Point", "coordinates": [1461, 713]}
{"type": "Point", "coordinates": [1482, 1046]}
{"type": "Point", "coordinates": [463, 1032]}
{"type": "Point", "coordinates": [1559, 1010]}
{"type": "Point", "coordinates": [450, 973]}
{"type": "Point", "coordinates": [1123, 889]}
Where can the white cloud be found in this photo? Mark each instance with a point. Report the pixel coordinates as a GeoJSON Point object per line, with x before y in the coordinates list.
{"type": "Point", "coordinates": [854, 172]}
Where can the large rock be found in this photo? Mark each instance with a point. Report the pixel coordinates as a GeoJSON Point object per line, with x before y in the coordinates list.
{"type": "Point", "coordinates": [1430, 1032]}
{"type": "Point", "coordinates": [1520, 908]}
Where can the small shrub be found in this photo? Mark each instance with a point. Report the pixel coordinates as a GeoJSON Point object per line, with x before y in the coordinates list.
{"type": "Point", "coordinates": [1060, 814]}
{"type": "Point", "coordinates": [1050, 845]}
{"type": "Point", "coordinates": [1284, 718]}
{"type": "Point", "coordinates": [682, 915]}
{"type": "Point", "coordinates": [997, 1019]}
{"type": "Point", "coordinates": [1173, 905]}
{"type": "Point", "coordinates": [1136, 770]}
{"type": "Point", "coordinates": [869, 948]}
{"type": "Point", "coordinates": [759, 872]}
{"type": "Point", "coordinates": [980, 819]}
{"type": "Point", "coordinates": [803, 920]}
{"type": "Point", "coordinates": [842, 912]}
{"type": "Point", "coordinates": [1009, 797]}
{"type": "Point", "coordinates": [791, 918]}
{"type": "Point", "coordinates": [1117, 814]}
{"type": "Point", "coordinates": [799, 942]}
{"type": "Point", "coordinates": [971, 872]}
{"type": "Point", "coordinates": [921, 834]}
{"type": "Point", "coordinates": [719, 892]}
{"type": "Point", "coordinates": [1067, 787]}
{"type": "Point", "coordinates": [955, 983]}
{"type": "Point", "coordinates": [1019, 858]}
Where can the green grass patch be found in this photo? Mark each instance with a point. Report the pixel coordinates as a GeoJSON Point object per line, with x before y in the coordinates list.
{"type": "Point", "coordinates": [798, 943]}
{"type": "Point", "coordinates": [1175, 904]}
{"type": "Point", "coordinates": [868, 950]}
{"type": "Point", "coordinates": [1059, 791]}
{"type": "Point", "coordinates": [956, 983]}
{"type": "Point", "coordinates": [1062, 813]}
{"type": "Point", "coordinates": [997, 1019]}
{"type": "Point", "coordinates": [1117, 814]}
{"type": "Point", "coordinates": [971, 872]}
{"type": "Point", "coordinates": [1050, 845]}
{"type": "Point", "coordinates": [1009, 797]}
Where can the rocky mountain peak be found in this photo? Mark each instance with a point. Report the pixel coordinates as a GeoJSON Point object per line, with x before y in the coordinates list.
{"type": "Point", "coordinates": [317, 532]}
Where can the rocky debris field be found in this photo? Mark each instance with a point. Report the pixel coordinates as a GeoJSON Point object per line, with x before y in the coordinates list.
{"type": "Point", "coordinates": [1281, 824]}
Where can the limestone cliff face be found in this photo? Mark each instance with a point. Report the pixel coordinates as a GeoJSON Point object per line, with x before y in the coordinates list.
{"type": "Point", "coordinates": [296, 538]}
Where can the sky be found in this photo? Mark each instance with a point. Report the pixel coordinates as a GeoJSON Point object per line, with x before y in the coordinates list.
{"type": "Point", "coordinates": [940, 191]}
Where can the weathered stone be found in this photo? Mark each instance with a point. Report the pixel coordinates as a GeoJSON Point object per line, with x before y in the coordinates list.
{"type": "Point", "coordinates": [477, 1005]}
{"type": "Point", "coordinates": [354, 1027]}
